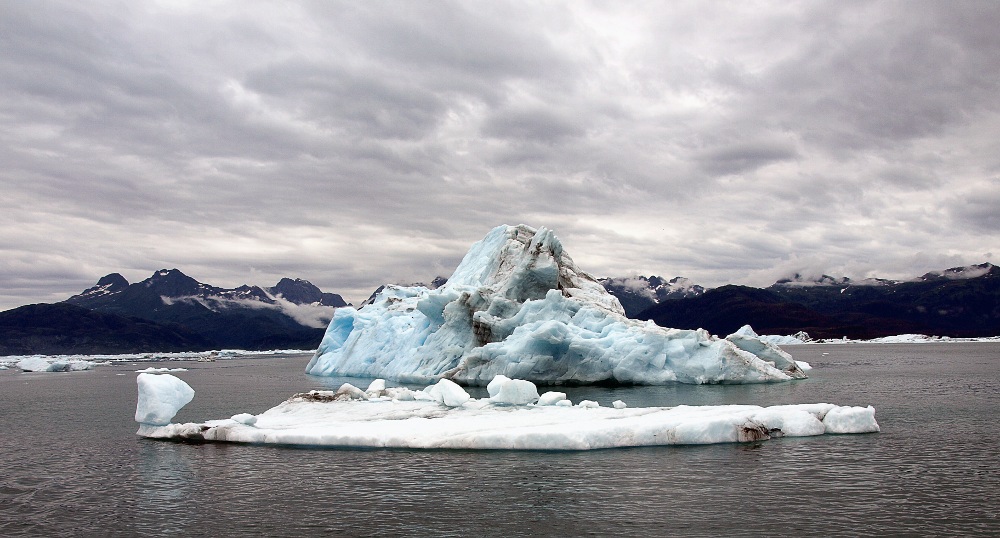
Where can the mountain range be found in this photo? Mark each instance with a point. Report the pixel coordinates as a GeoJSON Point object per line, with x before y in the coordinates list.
{"type": "Point", "coordinates": [170, 311]}
{"type": "Point", "coordinates": [958, 302]}
{"type": "Point", "coordinates": [640, 293]}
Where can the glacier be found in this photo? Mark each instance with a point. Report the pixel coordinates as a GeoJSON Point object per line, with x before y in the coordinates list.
{"type": "Point", "coordinates": [518, 306]}
{"type": "Point", "coordinates": [514, 417]}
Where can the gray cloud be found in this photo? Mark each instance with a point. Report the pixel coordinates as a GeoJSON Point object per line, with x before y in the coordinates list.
{"type": "Point", "coordinates": [358, 143]}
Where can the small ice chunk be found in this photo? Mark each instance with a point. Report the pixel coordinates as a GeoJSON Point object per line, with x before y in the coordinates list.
{"type": "Point", "coordinates": [851, 420]}
{"type": "Point", "coordinates": [564, 403]}
{"type": "Point", "coordinates": [512, 391]}
{"type": "Point", "coordinates": [376, 387]}
{"type": "Point", "coordinates": [161, 396]}
{"type": "Point", "coordinates": [245, 418]}
{"type": "Point", "coordinates": [588, 404]}
{"type": "Point", "coordinates": [401, 394]}
{"type": "Point", "coordinates": [804, 366]}
{"type": "Point", "coordinates": [448, 392]}
{"type": "Point", "coordinates": [494, 386]}
{"type": "Point", "coordinates": [33, 364]}
{"type": "Point", "coordinates": [619, 404]}
{"type": "Point", "coordinates": [348, 391]}
{"type": "Point", "coordinates": [552, 398]}
{"type": "Point", "coordinates": [423, 396]}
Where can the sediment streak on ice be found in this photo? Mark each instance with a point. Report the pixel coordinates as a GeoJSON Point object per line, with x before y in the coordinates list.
{"type": "Point", "coordinates": [519, 306]}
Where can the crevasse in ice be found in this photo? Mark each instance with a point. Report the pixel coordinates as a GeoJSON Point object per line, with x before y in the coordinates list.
{"type": "Point", "coordinates": [518, 306]}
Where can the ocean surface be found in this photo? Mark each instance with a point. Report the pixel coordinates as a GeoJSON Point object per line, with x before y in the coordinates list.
{"type": "Point", "coordinates": [71, 465]}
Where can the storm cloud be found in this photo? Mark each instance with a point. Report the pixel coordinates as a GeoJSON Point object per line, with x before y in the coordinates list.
{"type": "Point", "coordinates": [358, 143]}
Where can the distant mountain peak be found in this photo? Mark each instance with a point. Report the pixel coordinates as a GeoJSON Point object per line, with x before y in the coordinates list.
{"type": "Point", "coordinates": [299, 291]}
{"type": "Point", "coordinates": [174, 283]}
{"type": "Point", "coordinates": [637, 293]}
{"type": "Point", "coordinates": [799, 280]}
{"type": "Point", "coordinates": [114, 280]}
{"type": "Point", "coordinates": [226, 316]}
{"type": "Point", "coordinates": [107, 285]}
{"type": "Point", "coordinates": [960, 273]}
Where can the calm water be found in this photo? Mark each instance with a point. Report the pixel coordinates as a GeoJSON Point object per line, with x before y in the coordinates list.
{"type": "Point", "coordinates": [70, 464]}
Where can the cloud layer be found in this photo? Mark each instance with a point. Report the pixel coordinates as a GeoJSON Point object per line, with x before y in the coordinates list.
{"type": "Point", "coordinates": [353, 144]}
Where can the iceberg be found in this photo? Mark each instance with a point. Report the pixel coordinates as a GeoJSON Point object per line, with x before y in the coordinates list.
{"type": "Point", "coordinates": [443, 416]}
{"type": "Point", "coordinates": [42, 364]}
{"type": "Point", "coordinates": [161, 396]}
{"type": "Point", "coordinates": [518, 306]}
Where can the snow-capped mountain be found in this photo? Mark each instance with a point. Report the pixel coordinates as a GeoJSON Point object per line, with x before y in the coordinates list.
{"type": "Point", "coordinates": [961, 301]}
{"type": "Point", "coordinates": [249, 317]}
{"type": "Point", "coordinates": [955, 273]}
{"type": "Point", "coordinates": [302, 292]}
{"type": "Point", "coordinates": [639, 293]}
{"type": "Point", "coordinates": [799, 281]}
{"type": "Point", "coordinates": [298, 299]}
{"type": "Point", "coordinates": [958, 273]}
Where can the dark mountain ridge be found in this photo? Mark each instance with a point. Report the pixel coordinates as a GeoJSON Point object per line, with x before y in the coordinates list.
{"type": "Point", "coordinates": [958, 302]}
{"type": "Point", "coordinates": [639, 293]}
{"type": "Point", "coordinates": [170, 311]}
{"type": "Point", "coordinates": [59, 329]}
{"type": "Point", "coordinates": [292, 314]}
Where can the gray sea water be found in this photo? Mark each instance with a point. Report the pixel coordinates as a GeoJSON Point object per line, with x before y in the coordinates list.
{"type": "Point", "coordinates": [71, 465]}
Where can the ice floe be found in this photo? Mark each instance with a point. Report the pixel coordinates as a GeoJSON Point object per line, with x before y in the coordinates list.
{"type": "Point", "coordinates": [55, 364]}
{"type": "Point", "coordinates": [444, 416]}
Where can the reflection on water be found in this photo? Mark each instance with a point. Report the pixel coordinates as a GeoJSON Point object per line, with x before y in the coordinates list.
{"type": "Point", "coordinates": [73, 466]}
{"type": "Point", "coordinates": [163, 484]}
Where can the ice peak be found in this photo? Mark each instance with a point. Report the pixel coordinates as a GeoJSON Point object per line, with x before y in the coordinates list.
{"type": "Point", "coordinates": [522, 263]}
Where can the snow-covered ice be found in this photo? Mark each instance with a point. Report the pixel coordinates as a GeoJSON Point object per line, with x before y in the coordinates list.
{"type": "Point", "coordinates": [518, 306]}
{"type": "Point", "coordinates": [322, 418]}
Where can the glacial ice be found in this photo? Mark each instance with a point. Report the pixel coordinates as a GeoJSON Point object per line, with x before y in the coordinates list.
{"type": "Point", "coordinates": [319, 418]}
{"type": "Point", "coordinates": [518, 306]}
{"type": "Point", "coordinates": [161, 396]}
{"type": "Point", "coordinates": [504, 390]}
{"type": "Point", "coordinates": [42, 364]}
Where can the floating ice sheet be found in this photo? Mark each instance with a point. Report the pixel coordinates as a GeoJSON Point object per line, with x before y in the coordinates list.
{"type": "Point", "coordinates": [401, 418]}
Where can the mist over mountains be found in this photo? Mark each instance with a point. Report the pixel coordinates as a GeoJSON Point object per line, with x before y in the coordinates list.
{"type": "Point", "coordinates": [958, 302]}
{"type": "Point", "coordinates": [170, 311]}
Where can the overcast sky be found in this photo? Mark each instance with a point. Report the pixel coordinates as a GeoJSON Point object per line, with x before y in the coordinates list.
{"type": "Point", "coordinates": [357, 143]}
